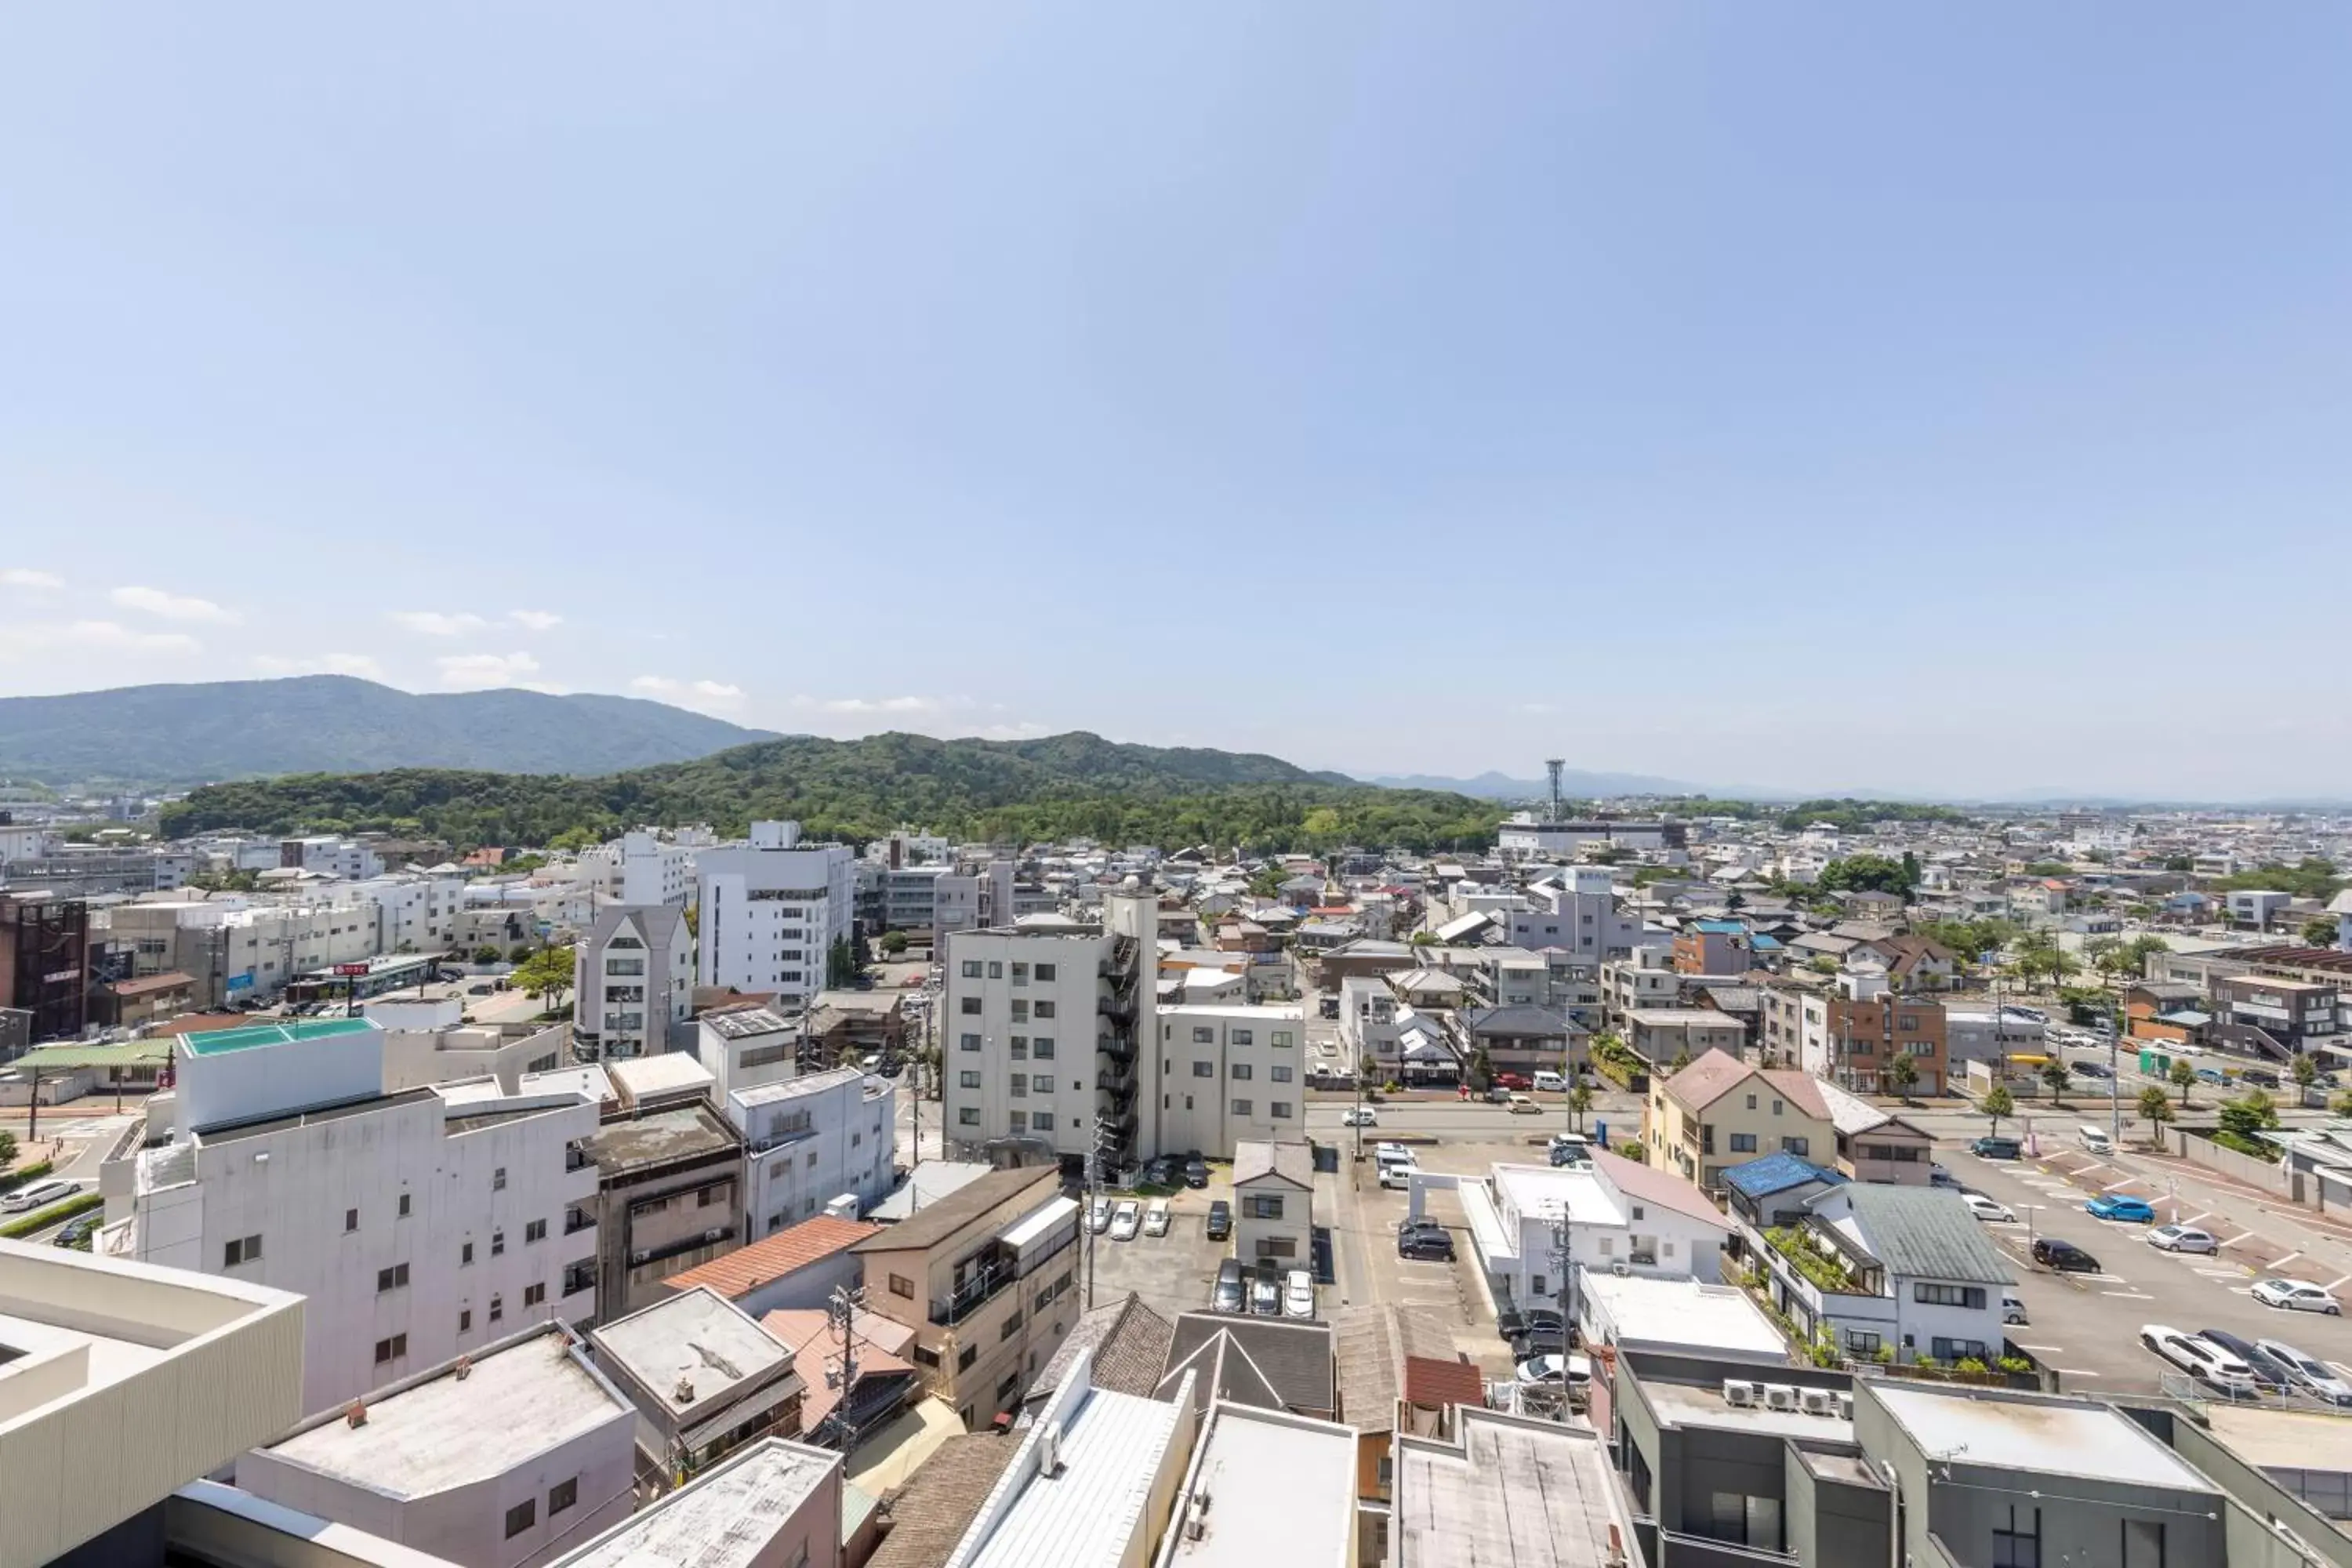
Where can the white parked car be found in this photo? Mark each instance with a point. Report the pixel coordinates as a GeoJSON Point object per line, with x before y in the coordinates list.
{"type": "Point", "coordinates": [2199, 1358]}
{"type": "Point", "coordinates": [1299, 1294]}
{"type": "Point", "coordinates": [1572, 1370]}
{"type": "Point", "coordinates": [39, 1195]}
{"type": "Point", "coordinates": [1156, 1218]}
{"type": "Point", "coordinates": [1399, 1174]}
{"type": "Point", "coordinates": [1985, 1208]}
{"type": "Point", "coordinates": [1360, 1116]}
{"type": "Point", "coordinates": [2182, 1238]}
{"type": "Point", "coordinates": [1098, 1216]}
{"type": "Point", "coordinates": [1125, 1220]}
{"type": "Point", "coordinates": [2315, 1377]}
{"type": "Point", "coordinates": [2296, 1296]}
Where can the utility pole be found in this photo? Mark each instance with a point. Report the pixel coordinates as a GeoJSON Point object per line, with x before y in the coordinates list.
{"type": "Point", "coordinates": [841, 1310]}
{"type": "Point", "coordinates": [1563, 1260]}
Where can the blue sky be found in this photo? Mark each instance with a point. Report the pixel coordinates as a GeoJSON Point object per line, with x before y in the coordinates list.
{"type": "Point", "coordinates": [1829, 396]}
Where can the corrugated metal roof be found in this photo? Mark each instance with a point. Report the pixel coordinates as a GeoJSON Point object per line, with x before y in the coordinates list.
{"type": "Point", "coordinates": [1923, 1233]}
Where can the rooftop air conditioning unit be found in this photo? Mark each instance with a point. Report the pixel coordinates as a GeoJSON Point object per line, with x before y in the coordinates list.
{"type": "Point", "coordinates": [1739, 1391]}
{"type": "Point", "coordinates": [1780, 1396]}
{"type": "Point", "coordinates": [1622, 1270]}
{"type": "Point", "coordinates": [1820, 1401]}
{"type": "Point", "coordinates": [1845, 1405]}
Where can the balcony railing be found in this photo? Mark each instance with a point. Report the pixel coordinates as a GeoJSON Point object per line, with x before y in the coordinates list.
{"type": "Point", "coordinates": [576, 1220]}
{"type": "Point", "coordinates": [578, 1277]}
{"type": "Point", "coordinates": [977, 1291]}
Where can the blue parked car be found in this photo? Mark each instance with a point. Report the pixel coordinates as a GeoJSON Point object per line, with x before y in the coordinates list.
{"type": "Point", "coordinates": [2111, 1208]}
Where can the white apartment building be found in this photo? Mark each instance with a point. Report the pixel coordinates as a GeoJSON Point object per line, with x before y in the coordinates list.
{"type": "Point", "coordinates": [632, 983]}
{"type": "Point", "coordinates": [419, 1226]}
{"type": "Point", "coordinates": [414, 914]}
{"type": "Point", "coordinates": [809, 1141]}
{"type": "Point", "coordinates": [772, 908]}
{"type": "Point", "coordinates": [121, 1382]}
{"type": "Point", "coordinates": [1224, 1075]}
{"type": "Point", "coordinates": [329, 857]}
{"type": "Point", "coordinates": [746, 1049]}
{"type": "Point", "coordinates": [1574, 910]}
{"type": "Point", "coordinates": [1620, 1218]}
{"type": "Point", "coordinates": [1038, 1032]}
{"type": "Point", "coordinates": [644, 867]}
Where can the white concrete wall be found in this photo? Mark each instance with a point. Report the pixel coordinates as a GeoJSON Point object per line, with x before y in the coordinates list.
{"type": "Point", "coordinates": [745, 937]}
{"type": "Point", "coordinates": [848, 1147]}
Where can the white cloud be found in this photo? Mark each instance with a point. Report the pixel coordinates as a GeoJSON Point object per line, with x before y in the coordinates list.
{"type": "Point", "coordinates": [27, 578]}
{"type": "Point", "coordinates": [473, 671]}
{"type": "Point", "coordinates": [435, 624]}
{"type": "Point", "coordinates": [900, 705]}
{"type": "Point", "coordinates": [712, 696]}
{"type": "Point", "coordinates": [171, 606]}
{"type": "Point", "coordinates": [535, 620]}
{"type": "Point", "coordinates": [1026, 730]}
{"type": "Point", "coordinates": [357, 664]}
{"type": "Point", "coordinates": [49, 638]}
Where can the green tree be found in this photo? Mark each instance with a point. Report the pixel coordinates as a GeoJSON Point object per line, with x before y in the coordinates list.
{"type": "Point", "coordinates": [2154, 1106]}
{"type": "Point", "coordinates": [1482, 1068]}
{"type": "Point", "coordinates": [1997, 1103]}
{"type": "Point", "coordinates": [7, 1148]}
{"type": "Point", "coordinates": [2184, 1078]}
{"type": "Point", "coordinates": [571, 840]}
{"type": "Point", "coordinates": [2341, 1105]}
{"type": "Point", "coordinates": [519, 953]}
{"type": "Point", "coordinates": [2303, 1070]}
{"type": "Point", "coordinates": [545, 972]}
{"type": "Point", "coordinates": [2249, 1114]}
{"type": "Point", "coordinates": [2319, 931]}
{"type": "Point", "coordinates": [485, 954]}
{"type": "Point", "coordinates": [840, 964]}
{"type": "Point", "coordinates": [1903, 1073]}
{"type": "Point", "coordinates": [1868, 873]}
{"type": "Point", "coordinates": [2054, 1073]}
{"type": "Point", "coordinates": [894, 942]}
{"type": "Point", "coordinates": [1579, 1100]}
{"type": "Point", "coordinates": [1682, 1060]}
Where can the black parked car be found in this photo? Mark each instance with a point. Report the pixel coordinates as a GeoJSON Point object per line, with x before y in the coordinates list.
{"type": "Point", "coordinates": [1196, 1172]}
{"type": "Point", "coordinates": [2063, 1256]}
{"type": "Point", "coordinates": [1220, 1220]}
{"type": "Point", "coordinates": [77, 1231]}
{"type": "Point", "coordinates": [2265, 1369]}
{"type": "Point", "coordinates": [1541, 1342]}
{"type": "Point", "coordinates": [1430, 1242]}
{"type": "Point", "coordinates": [1511, 1322]}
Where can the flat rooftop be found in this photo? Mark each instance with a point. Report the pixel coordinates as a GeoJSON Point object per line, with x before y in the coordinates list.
{"type": "Point", "coordinates": [1685, 1314]}
{"type": "Point", "coordinates": [1515, 1493]}
{"type": "Point", "coordinates": [1542, 1192]}
{"type": "Point", "coordinates": [443, 1432]}
{"type": "Point", "coordinates": [1110, 1450]}
{"type": "Point", "coordinates": [730, 1518]}
{"type": "Point", "coordinates": [220, 1042]}
{"type": "Point", "coordinates": [2054, 1436]}
{"type": "Point", "coordinates": [1686, 1405]}
{"type": "Point", "coordinates": [697, 1336]}
{"type": "Point", "coordinates": [2274, 1439]}
{"type": "Point", "coordinates": [686, 1132]}
{"type": "Point", "coordinates": [1282, 1489]}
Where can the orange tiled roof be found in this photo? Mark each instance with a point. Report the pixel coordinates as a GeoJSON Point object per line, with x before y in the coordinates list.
{"type": "Point", "coordinates": [746, 1269]}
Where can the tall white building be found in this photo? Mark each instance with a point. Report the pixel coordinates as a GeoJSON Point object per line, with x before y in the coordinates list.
{"type": "Point", "coordinates": [1224, 1075]}
{"type": "Point", "coordinates": [643, 866]}
{"type": "Point", "coordinates": [1039, 1032]}
{"type": "Point", "coordinates": [414, 913]}
{"type": "Point", "coordinates": [417, 1226]}
{"type": "Point", "coordinates": [632, 983]}
{"type": "Point", "coordinates": [1575, 911]}
{"type": "Point", "coordinates": [770, 911]}
{"type": "Point", "coordinates": [808, 1141]}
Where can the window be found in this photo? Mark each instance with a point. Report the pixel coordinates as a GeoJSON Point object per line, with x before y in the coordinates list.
{"type": "Point", "coordinates": [1749, 1521]}
{"type": "Point", "coordinates": [350, 1220]}
{"type": "Point", "coordinates": [1019, 1086]}
{"type": "Point", "coordinates": [1640, 1213]}
{"type": "Point", "coordinates": [1045, 972]}
{"type": "Point", "coordinates": [1019, 1009]}
{"type": "Point", "coordinates": [498, 1243]}
{"type": "Point", "coordinates": [521, 1517]}
{"type": "Point", "coordinates": [1242, 1108]}
{"type": "Point", "coordinates": [2017, 1539]}
{"type": "Point", "coordinates": [393, 1278]}
{"type": "Point", "coordinates": [1205, 1037]}
{"type": "Point", "coordinates": [532, 1294]}
{"type": "Point", "coordinates": [1020, 1048]}
{"type": "Point", "coordinates": [563, 1495]}
{"type": "Point", "coordinates": [1799, 1146]}
{"type": "Point", "coordinates": [1280, 1039]}
{"type": "Point", "coordinates": [968, 1043]}
{"type": "Point", "coordinates": [995, 969]}
{"type": "Point", "coordinates": [1044, 1009]}
{"type": "Point", "coordinates": [966, 1356]}
{"type": "Point", "coordinates": [968, 1079]}
{"type": "Point", "coordinates": [466, 1256]}
{"type": "Point", "coordinates": [466, 1320]}
{"type": "Point", "coordinates": [1042, 1122]}
{"type": "Point", "coordinates": [1263, 1205]}
{"type": "Point", "coordinates": [1011, 1326]}
{"type": "Point", "coordinates": [971, 969]}
{"type": "Point", "coordinates": [1743, 1142]}
{"type": "Point", "coordinates": [1041, 1083]}
{"type": "Point", "coordinates": [1776, 1108]}
{"type": "Point", "coordinates": [968, 1116]}
{"type": "Point", "coordinates": [970, 1006]}
{"type": "Point", "coordinates": [498, 1308]}
{"type": "Point", "coordinates": [244, 1250]}
{"type": "Point", "coordinates": [1020, 974]}
{"type": "Point", "coordinates": [499, 1180]}
{"type": "Point", "coordinates": [1042, 1047]}
{"type": "Point", "coordinates": [391, 1349]}
{"type": "Point", "coordinates": [1241, 1071]}
{"type": "Point", "coordinates": [902, 1286]}
{"type": "Point", "coordinates": [1929, 1295]}
{"type": "Point", "coordinates": [1204, 1069]}
{"type": "Point", "coordinates": [402, 1211]}
{"type": "Point", "coordinates": [1751, 1102]}
{"type": "Point", "coordinates": [1279, 1109]}
{"type": "Point", "coordinates": [1861, 1343]}
{"type": "Point", "coordinates": [1238, 1037]}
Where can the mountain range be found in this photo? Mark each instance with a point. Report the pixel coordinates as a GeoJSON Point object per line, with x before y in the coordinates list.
{"type": "Point", "coordinates": [185, 734]}
{"type": "Point", "coordinates": [1573, 784]}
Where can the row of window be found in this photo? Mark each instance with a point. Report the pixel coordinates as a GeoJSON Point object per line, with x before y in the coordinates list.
{"type": "Point", "coordinates": [1745, 1144]}
{"type": "Point", "coordinates": [1204, 1035]}
{"type": "Point", "coordinates": [994, 969]}
{"type": "Point", "coordinates": [1280, 1072]}
{"type": "Point", "coordinates": [1023, 1008]}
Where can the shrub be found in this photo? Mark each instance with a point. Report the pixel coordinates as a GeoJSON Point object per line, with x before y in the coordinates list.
{"type": "Point", "coordinates": [41, 1219]}
{"type": "Point", "coordinates": [1970, 1364]}
{"type": "Point", "coordinates": [2015, 1365]}
{"type": "Point", "coordinates": [1886, 1357]}
{"type": "Point", "coordinates": [1632, 1149]}
{"type": "Point", "coordinates": [32, 1173]}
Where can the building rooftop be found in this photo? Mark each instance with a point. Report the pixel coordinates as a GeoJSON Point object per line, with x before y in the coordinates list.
{"type": "Point", "coordinates": [444, 1429]}
{"type": "Point", "coordinates": [2272, 1438]}
{"type": "Point", "coordinates": [1256, 1159]}
{"type": "Point", "coordinates": [1777, 1173]}
{"type": "Point", "coordinates": [925, 1185]}
{"type": "Point", "coordinates": [727, 1518]}
{"type": "Point", "coordinates": [1267, 1487]}
{"type": "Point", "coordinates": [684, 1132]}
{"type": "Point", "coordinates": [671, 1072]}
{"type": "Point", "coordinates": [1682, 1314]}
{"type": "Point", "coordinates": [936, 1507]}
{"type": "Point", "coordinates": [2001, 1430]}
{"type": "Point", "coordinates": [220, 1042]}
{"type": "Point", "coordinates": [1921, 1232]}
{"type": "Point", "coordinates": [813, 1083]}
{"type": "Point", "coordinates": [697, 1344]}
{"type": "Point", "coordinates": [1125, 1341]}
{"type": "Point", "coordinates": [1274, 1363]}
{"type": "Point", "coordinates": [1510, 1493]}
{"type": "Point", "coordinates": [1369, 1345]}
{"type": "Point", "coordinates": [742, 1024]}
{"type": "Point", "coordinates": [746, 1269]}
{"type": "Point", "coordinates": [927, 1226]}
{"type": "Point", "coordinates": [1686, 1404]}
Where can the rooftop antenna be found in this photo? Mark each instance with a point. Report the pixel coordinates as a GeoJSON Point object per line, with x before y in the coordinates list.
{"type": "Point", "coordinates": [1552, 766]}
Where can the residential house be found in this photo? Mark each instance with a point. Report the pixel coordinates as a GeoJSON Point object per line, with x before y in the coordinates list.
{"type": "Point", "coordinates": [1904, 1269]}
{"type": "Point", "coordinates": [835, 1413]}
{"type": "Point", "coordinates": [1391, 1367]}
{"type": "Point", "coordinates": [799, 1266]}
{"type": "Point", "coordinates": [1274, 1201]}
{"type": "Point", "coordinates": [705, 1380]}
{"type": "Point", "coordinates": [1777, 1190]}
{"type": "Point", "coordinates": [1663, 1035]}
{"type": "Point", "coordinates": [772, 1504]}
{"type": "Point", "coordinates": [1719, 1113]}
{"type": "Point", "coordinates": [1875, 1145]}
{"type": "Point", "coordinates": [1613, 1213]}
{"type": "Point", "coordinates": [1912, 963]}
{"type": "Point", "coordinates": [932, 1511]}
{"type": "Point", "coordinates": [1270, 1363]}
{"type": "Point", "coordinates": [1526, 1039]}
{"type": "Point", "coordinates": [1713, 947]}
{"type": "Point", "coordinates": [986, 1279]}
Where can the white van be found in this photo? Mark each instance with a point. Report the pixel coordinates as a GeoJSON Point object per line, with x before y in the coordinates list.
{"type": "Point", "coordinates": [2096, 1139]}
{"type": "Point", "coordinates": [1550, 1083]}
{"type": "Point", "coordinates": [39, 1197]}
{"type": "Point", "coordinates": [1398, 1173]}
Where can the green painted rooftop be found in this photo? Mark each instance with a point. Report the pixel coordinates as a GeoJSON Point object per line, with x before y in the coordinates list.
{"type": "Point", "coordinates": [220, 1042]}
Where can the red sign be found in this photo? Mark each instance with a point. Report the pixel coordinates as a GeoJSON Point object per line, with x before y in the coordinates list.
{"type": "Point", "coordinates": [350, 969]}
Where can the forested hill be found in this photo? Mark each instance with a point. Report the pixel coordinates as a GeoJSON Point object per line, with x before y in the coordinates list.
{"type": "Point", "coordinates": [1053, 787]}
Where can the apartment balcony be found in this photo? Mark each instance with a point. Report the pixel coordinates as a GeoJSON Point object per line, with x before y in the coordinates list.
{"type": "Point", "coordinates": [979, 1288]}
{"type": "Point", "coordinates": [578, 1277]}
{"type": "Point", "coordinates": [577, 1220]}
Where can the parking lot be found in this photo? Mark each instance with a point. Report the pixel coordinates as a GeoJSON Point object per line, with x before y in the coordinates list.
{"type": "Point", "coordinates": [1174, 1273]}
{"type": "Point", "coordinates": [2086, 1326]}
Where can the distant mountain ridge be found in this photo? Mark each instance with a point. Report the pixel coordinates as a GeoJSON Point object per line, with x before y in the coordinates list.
{"type": "Point", "coordinates": [1579, 786]}
{"type": "Point", "coordinates": [185, 734]}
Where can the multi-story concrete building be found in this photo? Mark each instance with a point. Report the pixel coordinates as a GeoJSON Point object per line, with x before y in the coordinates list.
{"type": "Point", "coordinates": [121, 1382]}
{"type": "Point", "coordinates": [745, 1048]}
{"type": "Point", "coordinates": [632, 983]}
{"type": "Point", "coordinates": [1039, 1033]}
{"type": "Point", "coordinates": [414, 913]}
{"type": "Point", "coordinates": [668, 1194]}
{"type": "Point", "coordinates": [772, 910]}
{"type": "Point", "coordinates": [1226, 1075]}
{"type": "Point", "coordinates": [419, 1226]}
{"type": "Point", "coordinates": [1575, 911]}
{"type": "Point", "coordinates": [646, 867]}
{"type": "Point", "coordinates": [808, 1142]}
{"type": "Point", "coordinates": [987, 1278]}
{"type": "Point", "coordinates": [329, 856]}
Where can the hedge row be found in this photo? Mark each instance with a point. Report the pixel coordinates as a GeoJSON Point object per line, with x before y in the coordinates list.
{"type": "Point", "coordinates": [32, 1173]}
{"type": "Point", "coordinates": [41, 1219]}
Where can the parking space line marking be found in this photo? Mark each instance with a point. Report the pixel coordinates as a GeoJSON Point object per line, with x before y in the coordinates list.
{"type": "Point", "coordinates": [2334, 1285]}
{"type": "Point", "coordinates": [2339, 1366]}
{"type": "Point", "coordinates": [2076, 1372]}
{"type": "Point", "coordinates": [2039, 1350]}
{"type": "Point", "coordinates": [2237, 1238]}
{"type": "Point", "coordinates": [2126, 1182]}
{"type": "Point", "coordinates": [2129, 1295]}
{"type": "Point", "coordinates": [2222, 1273]}
{"type": "Point", "coordinates": [2287, 1259]}
{"type": "Point", "coordinates": [2192, 1219]}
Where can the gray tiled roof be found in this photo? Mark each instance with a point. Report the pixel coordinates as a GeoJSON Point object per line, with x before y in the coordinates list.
{"type": "Point", "coordinates": [1268, 1362]}
{"type": "Point", "coordinates": [1924, 1233]}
